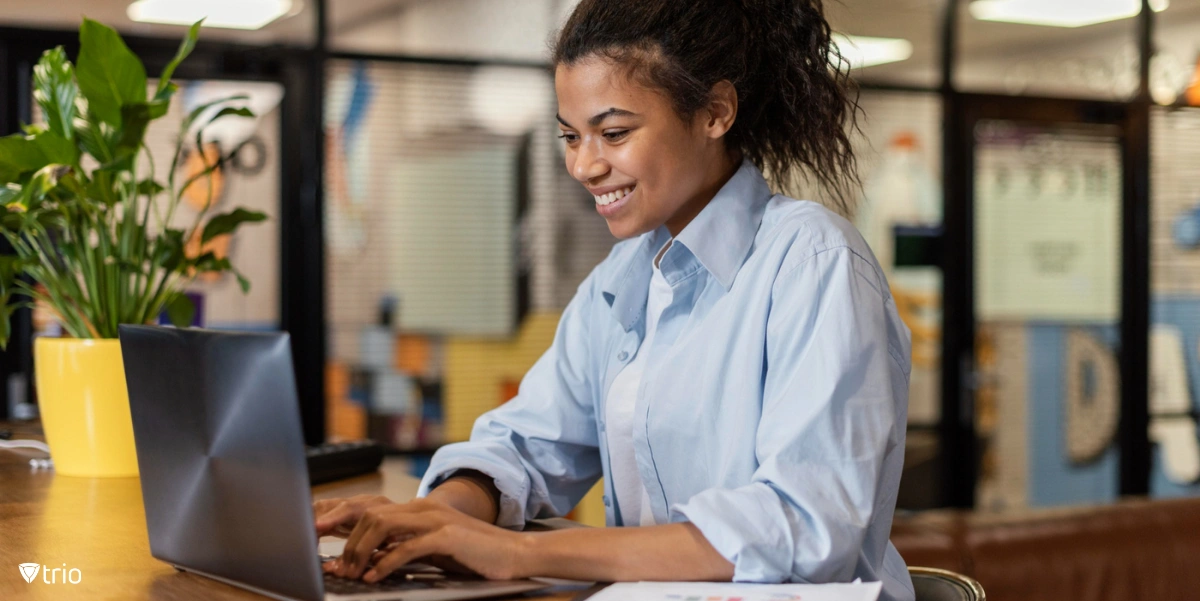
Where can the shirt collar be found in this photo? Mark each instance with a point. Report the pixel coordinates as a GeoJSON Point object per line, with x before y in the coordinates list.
{"type": "Point", "coordinates": [719, 238]}
{"type": "Point", "coordinates": [721, 235]}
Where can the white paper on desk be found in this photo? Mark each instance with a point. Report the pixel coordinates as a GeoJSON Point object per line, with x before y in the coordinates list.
{"type": "Point", "coordinates": [720, 591]}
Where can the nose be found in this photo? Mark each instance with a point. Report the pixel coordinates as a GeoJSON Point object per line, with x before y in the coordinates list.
{"type": "Point", "coordinates": [589, 162]}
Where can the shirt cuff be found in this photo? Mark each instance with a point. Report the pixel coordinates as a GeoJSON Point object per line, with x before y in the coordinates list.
{"type": "Point", "coordinates": [748, 526]}
{"type": "Point", "coordinates": [512, 483]}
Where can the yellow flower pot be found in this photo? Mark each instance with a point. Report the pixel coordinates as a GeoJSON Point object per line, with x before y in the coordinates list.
{"type": "Point", "coordinates": [85, 406]}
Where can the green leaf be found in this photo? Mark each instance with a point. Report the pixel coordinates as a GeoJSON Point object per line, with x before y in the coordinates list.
{"type": "Point", "coordinates": [149, 187]}
{"type": "Point", "coordinates": [20, 154]}
{"type": "Point", "coordinates": [227, 223]}
{"type": "Point", "coordinates": [71, 182]}
{"type": "Point", "coordinates": [242, 281]}
{"type": "Point", "coordinates": [12, 222]}
{"type": "Point", "coordinates": [196, 112]}
{"type": "Point", "coordinates": [134, 119]}
{"type": "Point", "coordinates": [6, 311]}
{"type": "Point", "coordinates": [42, 182]}
{"type": "Point", "coordinates": [208, 262]}
{"type": "Point", "coordinates": [120, 163]}
{"type": "Point", "coordinates": [185, 48]}
{"type": "Point", "coordinates": [162, 101]}
{"type": "Point", "coordinates": [93, 140]}
{"type": "Point", "coordinates": [9, 193]}
{"type": "Point", "coordinates": [168, 249]}
{"type": "Point", "coordinates": [181, 310]}
{"type": "Point", "coordinates": [10, 267]}
{"type": "Point", "coordinates": [55, 89]}
{"type": "Point", "coordinates": [240, 111]}
{"type": "Point", "coordinates": [55, 148]}
{"type": "Point", "coordinates": [110, 75]}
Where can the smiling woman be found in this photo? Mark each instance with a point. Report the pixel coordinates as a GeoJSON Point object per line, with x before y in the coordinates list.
{"type": "Point", "coordinates": [735, 369]}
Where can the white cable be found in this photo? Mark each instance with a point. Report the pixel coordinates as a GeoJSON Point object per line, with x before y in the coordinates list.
{"type": "Point", "coordinates": [24, 444]}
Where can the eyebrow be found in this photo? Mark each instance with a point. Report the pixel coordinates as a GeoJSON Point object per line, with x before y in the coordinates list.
{"type": "Point", "coordinates": [598, 119]}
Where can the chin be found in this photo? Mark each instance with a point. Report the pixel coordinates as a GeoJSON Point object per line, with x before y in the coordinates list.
{"type": "Point", "coordinates": [624, 230]}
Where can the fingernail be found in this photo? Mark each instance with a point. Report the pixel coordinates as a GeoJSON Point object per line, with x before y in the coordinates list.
{"type": "Point", "coordinates": [370, 576]}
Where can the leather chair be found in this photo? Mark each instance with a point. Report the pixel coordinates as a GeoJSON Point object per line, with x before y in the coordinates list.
{"type": "Point", "coordinates": [932, 584]}
{"type": "Point", "coordinates": [1131, 550]}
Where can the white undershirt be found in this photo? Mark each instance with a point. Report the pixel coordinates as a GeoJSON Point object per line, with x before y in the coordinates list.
{"type": "Point", "coordinates": [632, 498]}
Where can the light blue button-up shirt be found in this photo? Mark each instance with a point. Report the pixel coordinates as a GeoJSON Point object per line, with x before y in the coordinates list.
{"type": "Point", "coordinates": [772, 411]}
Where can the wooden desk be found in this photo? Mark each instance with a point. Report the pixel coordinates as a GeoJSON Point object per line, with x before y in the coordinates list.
{"type": "Point", "coordinates": [98, 525]}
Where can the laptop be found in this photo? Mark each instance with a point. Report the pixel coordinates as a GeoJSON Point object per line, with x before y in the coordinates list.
{"type": "Point", "coordinates": [224, 478]}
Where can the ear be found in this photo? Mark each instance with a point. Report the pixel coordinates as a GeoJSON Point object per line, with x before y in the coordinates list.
{"type": "Point", "coordinates": [721, 110]}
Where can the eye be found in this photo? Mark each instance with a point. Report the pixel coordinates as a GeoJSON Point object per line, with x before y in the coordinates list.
{"type": "Point", "coordinates": [569, 137]}
{"type": "Point", "coordinates": [613, 136]}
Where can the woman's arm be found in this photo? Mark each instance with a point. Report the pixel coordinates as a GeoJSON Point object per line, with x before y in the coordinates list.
{"type": "Point", "coordinates": [470, 492]}
{"type": "Point", "coordinates": [539, 450]}
{"type": "Point", "coordinates": [668, 552]}
{"type": "Point", "coordinates": [429, 528]}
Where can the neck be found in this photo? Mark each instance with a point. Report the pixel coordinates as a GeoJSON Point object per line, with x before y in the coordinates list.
{"type": "Point", "coordinates": [722, 173]}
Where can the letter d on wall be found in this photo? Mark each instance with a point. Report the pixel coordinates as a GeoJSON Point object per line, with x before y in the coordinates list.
{"type": "Point", "coordinates": [1093, 407]}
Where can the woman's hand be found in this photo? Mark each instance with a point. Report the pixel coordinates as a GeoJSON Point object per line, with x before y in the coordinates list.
{"type": "Point", "coordinates": [427, 528]}
{"type": "Point", "coordinates": [337, 517]}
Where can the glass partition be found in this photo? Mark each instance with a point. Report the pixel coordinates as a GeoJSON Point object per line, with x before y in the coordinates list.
{"type": "Point", "coordinates": [1047, 284]}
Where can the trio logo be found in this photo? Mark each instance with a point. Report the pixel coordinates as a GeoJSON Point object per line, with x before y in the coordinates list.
{"type": "Point", "coordinates": [29, 571]}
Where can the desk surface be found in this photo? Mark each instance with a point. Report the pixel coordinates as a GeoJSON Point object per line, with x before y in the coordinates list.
{"type": "Point", "coordinates": [98, 525]}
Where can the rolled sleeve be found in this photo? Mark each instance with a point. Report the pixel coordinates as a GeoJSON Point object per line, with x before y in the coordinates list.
{"type": "Point", "coordinates": [749, 526]}
{"type": "Point", "coordinates": [541, 448]}
{"type": "Point", "coordinates": [499, 462]}
{"type": "Point", "coordinates": [829, 419]}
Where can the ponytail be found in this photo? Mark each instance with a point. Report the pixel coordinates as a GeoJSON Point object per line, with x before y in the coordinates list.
{"type": "Point", "coordinates": [797, 103]}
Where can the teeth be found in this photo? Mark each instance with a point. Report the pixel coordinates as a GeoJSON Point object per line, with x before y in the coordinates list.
{"type": "Point", "coordinates": [612, 197]}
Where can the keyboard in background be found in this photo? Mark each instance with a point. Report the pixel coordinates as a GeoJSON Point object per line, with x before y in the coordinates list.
{"type": "Point", "coordinates": [337, 460]}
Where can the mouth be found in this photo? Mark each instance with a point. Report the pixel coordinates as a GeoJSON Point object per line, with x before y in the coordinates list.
{"type": "Point", "coordinates": [605, 200]}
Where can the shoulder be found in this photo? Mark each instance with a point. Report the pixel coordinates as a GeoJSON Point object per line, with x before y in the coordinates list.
{"type": "Point", "coordinates": [796, 231]}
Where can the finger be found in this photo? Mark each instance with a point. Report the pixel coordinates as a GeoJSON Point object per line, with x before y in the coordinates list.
{"type": "Point", "coordinates": [379, 553]}
{"type": "Point", "coordinates": [374, 528]}
{"type": "Point", "coordinates": [340, 515]}
{"type": "Point", "coordinates": [321, 506]}
{"type": "Point", "coordinates": [404, 554]}
{"type": "Point", "coordinates": [371, 532]}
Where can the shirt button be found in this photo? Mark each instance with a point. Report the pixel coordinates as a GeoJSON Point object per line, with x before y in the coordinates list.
{"type": "Point", "coordinates": [623, 356]}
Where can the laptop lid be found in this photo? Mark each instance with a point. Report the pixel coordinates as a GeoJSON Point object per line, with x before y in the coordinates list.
{"type": "Point", "coordinates": [219, 442]}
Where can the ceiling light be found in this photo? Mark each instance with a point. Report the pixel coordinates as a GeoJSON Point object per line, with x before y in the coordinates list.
{"type": "Point", "coordinates": [230, 14]}
{"type": "Point", "coordinates": [1060, 13]}
{"type": "Point", "coordinates": [862, 51]}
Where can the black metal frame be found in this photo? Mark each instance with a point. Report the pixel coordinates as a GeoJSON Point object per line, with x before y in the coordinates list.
{"type": "Point", "coordinates": [959, 324]}
{"type": "Point", "coordinates": [303, 71]}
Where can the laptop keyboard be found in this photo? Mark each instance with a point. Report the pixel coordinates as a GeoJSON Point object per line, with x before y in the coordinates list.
{"type": "Point", "coordinates": [405, 580]}
{"type": "Point", "coordinates": [349, 586]}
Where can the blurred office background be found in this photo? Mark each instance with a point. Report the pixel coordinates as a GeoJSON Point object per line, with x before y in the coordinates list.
{"type": "Point", "coordinates": [1029, 185]}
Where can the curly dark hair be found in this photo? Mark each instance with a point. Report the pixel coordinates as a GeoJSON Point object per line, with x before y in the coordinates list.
{"type": "Point", "coordinates": [797, 103]}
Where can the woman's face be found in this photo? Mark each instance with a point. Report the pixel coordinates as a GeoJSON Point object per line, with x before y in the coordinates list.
{"type": "Point", "coordinates": [643, 164]}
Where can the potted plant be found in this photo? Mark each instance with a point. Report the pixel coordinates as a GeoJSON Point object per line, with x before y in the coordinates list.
{"type": "Point", "coordinates": [91, 226]}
